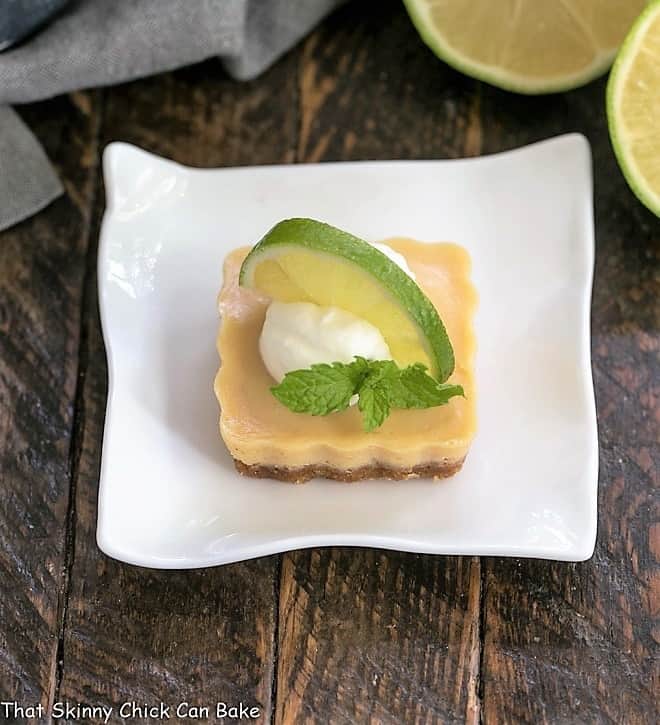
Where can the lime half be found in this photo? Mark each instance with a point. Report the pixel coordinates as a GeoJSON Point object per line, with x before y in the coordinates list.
{"type": "Point", "coordinates": [302, 260]}
{"type": "Point", "coordinates": [633, 107]}
{"type": "Point", "coordinates": [528, 46]}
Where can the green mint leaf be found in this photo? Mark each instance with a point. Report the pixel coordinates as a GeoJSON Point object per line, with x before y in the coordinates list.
{"type": "Point", "coordinates": [380, 385]}
{"type": "Point", "coordinates": [358, 371]}
{"type": "Point", "coordinates": [374, 399]}
{"type": "Point", "coordinates": [415, 388]}
{"type": "Point", "coordinates": [319, 390]}
{"type": "Point", "coordinates": [374, 405]}
{"type": "Point", "coordinates": [380, 372]}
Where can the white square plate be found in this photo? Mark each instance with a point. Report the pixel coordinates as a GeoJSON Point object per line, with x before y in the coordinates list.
{"type": "Point", "coordinates": [169, 494]}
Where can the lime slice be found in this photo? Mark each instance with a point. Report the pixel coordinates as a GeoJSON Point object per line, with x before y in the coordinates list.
{"type": "Point", "coordinates": [633, 107]}
{"type": "Point", "coordinates": [302, 260]}
{"type": "Point", "coordinates": [528, 46]}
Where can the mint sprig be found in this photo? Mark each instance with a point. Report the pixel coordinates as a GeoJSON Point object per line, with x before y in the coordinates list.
{"type": "Point", "coordinates": [380, 386]}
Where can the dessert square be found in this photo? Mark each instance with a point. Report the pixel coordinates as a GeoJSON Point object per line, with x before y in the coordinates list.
{"type": "Point", "coordinates": [266, 439]}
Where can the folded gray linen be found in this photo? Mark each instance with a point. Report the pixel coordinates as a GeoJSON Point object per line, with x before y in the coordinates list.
{"type": "Point", "coordinates": [102, 42]}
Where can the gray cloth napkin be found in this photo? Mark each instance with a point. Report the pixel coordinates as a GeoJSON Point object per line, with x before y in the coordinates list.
{"type": "Point", "coordinates": [101, 42]}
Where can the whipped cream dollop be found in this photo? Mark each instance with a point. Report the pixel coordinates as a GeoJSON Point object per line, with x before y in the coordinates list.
{"type": "Point", "coordinates": [296, 335]}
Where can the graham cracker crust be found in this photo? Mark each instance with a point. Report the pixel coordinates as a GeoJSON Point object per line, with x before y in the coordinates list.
{"type": "Point", "coordinates": [302, 474]}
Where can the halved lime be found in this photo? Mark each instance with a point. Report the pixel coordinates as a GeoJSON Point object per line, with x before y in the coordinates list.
{"type": "Point", "coordinates": [633, 107]}
{"type": "Point", "coordinates": [303, 260]}
{"type": "Point", "coordinates": [528, 46]}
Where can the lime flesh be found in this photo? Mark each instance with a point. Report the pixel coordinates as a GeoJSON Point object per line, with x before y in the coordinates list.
{"type": "Point", "coordinates": [528, 46]}
{"type": "Point", "coordinates": [633, 107]}
{"type": "Point", "coordinates": [303, 260]}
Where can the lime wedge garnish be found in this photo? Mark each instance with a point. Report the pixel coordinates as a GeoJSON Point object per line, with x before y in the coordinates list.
{"type": "Point", "coordinates": [302, 260]}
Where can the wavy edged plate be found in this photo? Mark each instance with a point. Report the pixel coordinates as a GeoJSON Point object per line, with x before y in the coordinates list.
{"type": "Point", "coordinates": [169, 495]}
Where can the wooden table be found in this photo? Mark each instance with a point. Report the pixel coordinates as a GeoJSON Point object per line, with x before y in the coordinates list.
{"type": "Point", "coordinates": [330, 635]}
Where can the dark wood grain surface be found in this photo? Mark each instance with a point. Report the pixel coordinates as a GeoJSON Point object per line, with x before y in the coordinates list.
{"type": "Point", "coordinates": [333, 635]}
{"type": "Point", "coordinates": [42, 268]}
{"type": "Point", "coordinates": [143, 635]}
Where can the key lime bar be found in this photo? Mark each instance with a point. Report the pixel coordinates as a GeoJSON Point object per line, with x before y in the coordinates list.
{"type": "Point", "coordinates": [267, 439]}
